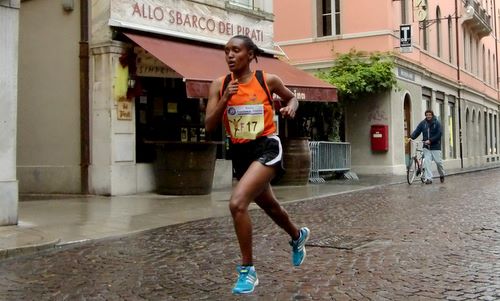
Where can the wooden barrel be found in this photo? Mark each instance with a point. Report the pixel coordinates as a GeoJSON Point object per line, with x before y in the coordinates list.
{"type": "Point", "coordinates": [185, 168]}
{"type": "Point", "coordinates": [297, 161]}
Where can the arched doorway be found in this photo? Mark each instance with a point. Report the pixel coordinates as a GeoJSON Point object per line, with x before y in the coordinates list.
{"type": "Point", "coordinates": [407, 126]}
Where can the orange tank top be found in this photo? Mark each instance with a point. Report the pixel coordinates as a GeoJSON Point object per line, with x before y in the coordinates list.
{"type": "Point", "coordinates": [249, 113]}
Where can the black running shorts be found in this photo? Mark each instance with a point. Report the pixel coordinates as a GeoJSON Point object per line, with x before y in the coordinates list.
{"type": "Point", "coordinates": [266, 150]}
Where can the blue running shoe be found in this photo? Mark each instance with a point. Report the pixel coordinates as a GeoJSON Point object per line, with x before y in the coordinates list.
{"type": "Point", "coordinates": [298, 247]}
{"type": "Point", "coordinates": [247, 280]}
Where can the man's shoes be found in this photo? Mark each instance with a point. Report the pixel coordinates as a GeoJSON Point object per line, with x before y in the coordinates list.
{"type": "Point", "coordinates": [441, 178]}
{"type": "Point", "coordinates": [428, 181]}
{"type": "Point", "coordinates": [298, 247]}
{"type": "Point", "coordinates": [247, 280]}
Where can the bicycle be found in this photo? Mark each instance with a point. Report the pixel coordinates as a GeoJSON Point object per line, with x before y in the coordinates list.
{"type": "Point", "coordinates": [415, 166]}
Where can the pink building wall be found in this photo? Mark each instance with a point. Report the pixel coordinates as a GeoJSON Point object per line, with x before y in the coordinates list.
{"type": "Point", "coordinates": [374, 26]}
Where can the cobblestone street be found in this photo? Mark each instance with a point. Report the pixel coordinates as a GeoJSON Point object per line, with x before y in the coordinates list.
{"type": "Point", "coordinates": [398, 242]}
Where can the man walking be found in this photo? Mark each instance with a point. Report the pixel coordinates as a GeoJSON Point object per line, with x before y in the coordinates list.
{"type": "Point", "coordinates": [431, 136]}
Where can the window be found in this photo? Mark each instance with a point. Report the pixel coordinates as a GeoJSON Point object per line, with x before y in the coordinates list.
{"type": "Point", "coordinates": [424, 25]}
{"type": "Point", "coordinates": [484, 64]}
{"type": "Point", "coordinates": [425, 38]}
{"type": "Point", "coordinates": [243, 3]}
{"type": "Point", "coordinates": [438, 31]}
{"type": "Point", "coordinates": [403, 12]}
{"type": "Point", "coordinates": [426, 97]}
{"type": "Point", "coordinates": [490, 80]}
{"type": "Point", "coordinates": [494, 78]}
{"type": "Point", "coordinates": [450, 40]}
{"type": "Point", "coordinates": [476, 67]}
{"type": "Point", "coordinates": [329, 18]}
{"type": "Point", "coordinates": [452, 150]}
{"type": "Point", "coordinates": [466, 51]}
{"type": "Point", "coordinates": [470, 55]}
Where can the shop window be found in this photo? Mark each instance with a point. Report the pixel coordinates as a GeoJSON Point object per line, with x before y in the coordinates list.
{"type": "Point", "coordinates": [318, 121]}
{"type": "Point", "coordinates": [452, 149]}
{"type": "Point", "coordinates": [495, 136]}
{"type": "Point", "coordinates": [164, 113]}
{"type": "Point", "coordinates": [491, 133]}
{"type": "Point", "coordinates": [487, 150]}
{"type": "Point", "coordinates": [328, 17]}
{"type": "Point", "coordinates": [440, 115]}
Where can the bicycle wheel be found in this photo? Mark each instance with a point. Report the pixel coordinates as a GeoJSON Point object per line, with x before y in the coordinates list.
{"type": "Point", "coordinates": [411, 170]}
{"type": "Point", "coordinates": [422, 172]}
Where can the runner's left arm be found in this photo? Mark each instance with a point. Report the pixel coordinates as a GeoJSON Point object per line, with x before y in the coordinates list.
{"type": "Point", "coordinates": [276, 86]}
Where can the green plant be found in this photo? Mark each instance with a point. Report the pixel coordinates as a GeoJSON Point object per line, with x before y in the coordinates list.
{"type": "Point", "coordinates": [357, 74]}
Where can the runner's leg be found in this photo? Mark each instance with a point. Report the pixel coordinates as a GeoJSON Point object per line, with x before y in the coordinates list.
{"type": "Point", "coordinates": [255, 180]}
{"type": "Point", "coordinates": [268, 202]}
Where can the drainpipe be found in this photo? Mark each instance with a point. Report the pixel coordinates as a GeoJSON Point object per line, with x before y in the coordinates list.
{"type": "Point", "coordinates": [84, 97]}
{"type": "Point", "coordinates": [459, 88]}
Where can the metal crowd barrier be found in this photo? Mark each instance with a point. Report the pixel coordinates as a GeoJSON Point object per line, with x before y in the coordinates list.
{"type": "Point", "coordinates": [328, 157]}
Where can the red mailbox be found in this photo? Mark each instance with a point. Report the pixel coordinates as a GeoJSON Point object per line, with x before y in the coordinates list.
{"type": "Point", "coordinates": [379, 136]}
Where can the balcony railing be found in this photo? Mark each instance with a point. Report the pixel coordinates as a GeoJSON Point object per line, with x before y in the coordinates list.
{"type": "Point", "coordinates": [480, 22]}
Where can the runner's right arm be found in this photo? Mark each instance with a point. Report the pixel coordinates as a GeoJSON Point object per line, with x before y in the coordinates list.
{"type": "Point", "coordinates": [216, 104]}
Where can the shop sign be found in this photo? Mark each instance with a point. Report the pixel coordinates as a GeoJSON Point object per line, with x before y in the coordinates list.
{"type": "Point", "coordinates": [191, 20]}
{"type": "Point", "coordinates": [199, 89]}
{"type": "Point", "coordinates": [148, 65]}
{"type": "Point", "coordinates": [406, 74]}
{"type": "Point", "coordinates": [124, 109]}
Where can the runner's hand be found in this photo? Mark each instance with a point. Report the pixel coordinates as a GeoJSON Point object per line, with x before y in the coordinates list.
{"type": "Point", "coordinates": [288, 112]}
{"type": "Point", "coordinates": [231, 89]}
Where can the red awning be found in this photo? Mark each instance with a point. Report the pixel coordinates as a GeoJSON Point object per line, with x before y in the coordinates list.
{"type": "Point", "coordinates": [201, 65]}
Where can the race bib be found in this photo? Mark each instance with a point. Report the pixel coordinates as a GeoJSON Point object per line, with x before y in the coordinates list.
{"type": "Point", "coordinates": [246, 122]}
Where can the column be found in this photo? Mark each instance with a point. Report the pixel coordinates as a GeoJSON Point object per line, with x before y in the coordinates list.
{"type": "Point", "coordinates": [9, 196]}
{"type": "Point", "coordinates": [112, 169]}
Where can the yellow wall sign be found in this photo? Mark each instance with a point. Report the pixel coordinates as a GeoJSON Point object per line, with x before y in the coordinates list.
{"type": "Point", "coordinates": [120, 83]}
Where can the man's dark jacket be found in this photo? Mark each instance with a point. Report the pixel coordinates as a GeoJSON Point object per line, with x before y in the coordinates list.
{"type": "Point", "coordinates": [431, 130]}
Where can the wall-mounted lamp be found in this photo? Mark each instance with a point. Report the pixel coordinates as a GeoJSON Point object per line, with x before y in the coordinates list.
{"type": "Point", "coordinates": [68, 5]}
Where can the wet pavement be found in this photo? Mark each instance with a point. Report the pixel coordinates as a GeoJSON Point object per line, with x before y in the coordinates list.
{"type": "Point", "coordinates": [47, 221]}
{"type": "Point", "coordinates": [397, 242]}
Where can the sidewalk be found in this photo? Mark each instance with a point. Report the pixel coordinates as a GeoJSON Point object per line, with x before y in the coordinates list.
{"type": "Point", "coordinates": [48, 221]}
